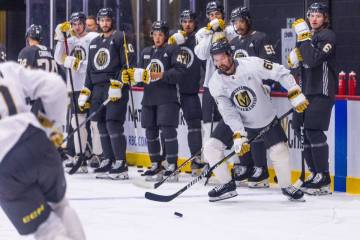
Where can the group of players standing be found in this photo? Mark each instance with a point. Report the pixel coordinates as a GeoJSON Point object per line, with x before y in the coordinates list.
{"type": "Point", "coordinates": [236, 105]}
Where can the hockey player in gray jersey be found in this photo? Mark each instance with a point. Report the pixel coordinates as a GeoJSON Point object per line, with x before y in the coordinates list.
{"type": "Point", "coordinates": [315, 55]}
{"type": "Point", "coordinates": [32, 181]}
{"type": "Point", "coordinates": [77, 61]}
{"type": "Point", "coordinates": [189, 86]}
{"type": "Point", "coordinates": [253, 166]}
{"type": "Point", "coordinates": [246, 108]}
{"type": "Point", "coordinates": [215, 30]}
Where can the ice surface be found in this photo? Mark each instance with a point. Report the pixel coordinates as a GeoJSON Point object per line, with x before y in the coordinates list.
{"type": "Point", "coordinates": [118, 210]}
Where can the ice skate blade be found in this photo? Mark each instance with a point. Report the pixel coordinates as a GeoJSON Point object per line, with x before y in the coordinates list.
{"type": "Point", "coordinates": [155, 178]}
{"type": "Point", "coordinates": [119, 176]}
{"type": "Point", "coordinates": [261, 184]}
{"type": "Point", "coordinates": [296, 200]}
{"type": "Point", "coordinates": [102, 176]}
{"type": "Point", "coordinates": [224, 196]}
{"type": "Point", "coordinates": [317, 192]}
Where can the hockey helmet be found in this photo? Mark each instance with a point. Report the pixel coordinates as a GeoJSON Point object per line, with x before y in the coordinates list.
{"type": "Point", "coordinates": [105, 12]}
{"type": "Point", "coordinates": [318, 7]}
{"type": "Point", "coordinates": [221, 46]}
{"type": "Point", "coordinates": [187, 15]}
{"type": "Point", "coordinates": [214, 6]}
{"type": "Point", "coordinates": [34, 32]}
{"type": "Point", "coordinates": [77, 16]}
{"type": "Point", "coordinates": [240, 13]}
{"type": "Point", "coordinates": [161, 26]}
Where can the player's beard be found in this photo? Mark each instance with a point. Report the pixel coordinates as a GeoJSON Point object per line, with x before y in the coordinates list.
{"type": "Point", "coordinates": [106, 29]}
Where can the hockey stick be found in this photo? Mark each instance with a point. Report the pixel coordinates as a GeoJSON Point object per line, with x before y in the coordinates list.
{"type": "Point", "coordinates": [133, 114]}
{"type": "Point", "coordinates": [87, 119]}
{"type": "Point", "coordinates": [141, 183]}
{"type": "Point", "coordinates": [206, 173]}
{"type": "Point", "coordinates": [81, 158]}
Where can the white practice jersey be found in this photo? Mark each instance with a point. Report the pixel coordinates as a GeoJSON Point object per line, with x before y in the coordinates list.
{"type": "Point", "coordinates": [16, 84]}
{"type": "Point", "coordinates": [79, 48]}
{"type": "Point", "coordinates": [241, 98]}
{"type": "Point", "coordinates": [204, 39]}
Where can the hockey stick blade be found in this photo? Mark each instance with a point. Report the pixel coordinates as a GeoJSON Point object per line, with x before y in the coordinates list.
{"type": "Point", "coordinates": [168, 198]}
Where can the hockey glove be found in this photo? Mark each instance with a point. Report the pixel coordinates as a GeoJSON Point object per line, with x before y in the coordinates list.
{"type": "Point", "coordinates": [125, 77]}
{"type": "Point", "coordinates": [302, 30]}
{"type": "Point", "coordinates": [83, 99]}
{"type": "Point", "coordinates": [241, 146]}
{"type": "Point", "coordinates": [216, 24]}
{"type": "Point", "coordinates": [297, 99]}
{"type": "Point", "coordinates": [294, 58]}
{"type": "Point", "coordinates": [72, 63]}
{"type": "Point", "coordinates": [57, 138]}
{"type": "Point", "coordinates": [138, 75]}
{"type": "Point", "coordinates": [177, 38]}
{"type": "Point", "coordinates": [62, 28]}
{"type": "Point", "coordinates": [115, 90]}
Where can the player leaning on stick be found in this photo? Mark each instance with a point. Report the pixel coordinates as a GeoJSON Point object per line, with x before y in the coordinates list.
{"type": "Point", "coordinates": [315, 54]}
{"type": "Point", "coordinates": [246, 108]}
{"type": "Point", "coordinates": [161, 67]}
{"type": "Point", "coordinates": [77, 61]}
{"type": "Point", "coordinates": [32, 181]}
{"type": "Point", "coordinates": [215, 29]}
{"type": "Point", "coordinates": [190, 84]}
{"type": "Point", "coordinates": [106, 59]}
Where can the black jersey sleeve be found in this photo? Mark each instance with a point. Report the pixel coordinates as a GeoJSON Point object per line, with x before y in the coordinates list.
{"type": "Point", "coordinates": [27, 57]}
{"type": "Point", "coordinates": [265, 48]}
{"type": "Point", "coordinates": [315, 52]}
{"type": "Point", "coordinates": [126, 50]}
{"type": "Point", "coordinates": [178, 66]}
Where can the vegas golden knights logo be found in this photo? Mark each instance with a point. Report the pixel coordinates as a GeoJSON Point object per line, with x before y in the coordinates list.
{"type": "Point", "coordinates": [155, 67]}
{"type": "Point", "coordinates": [185, 56]}
{"type": "Point", "coordinates": [78, 54]}
{"type": "Point", "coordinates": [243, 99]}
{"type": "Point", "coordinates": [102, 59]}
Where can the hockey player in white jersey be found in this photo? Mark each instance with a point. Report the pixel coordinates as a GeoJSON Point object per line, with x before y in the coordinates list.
{"type": "Point", "coordinates": [215, 30]}
{"type": "Point", "coordinates": [77, 62]}
{"type": "Point", "coordinates": [246, 108]}
{"type": "Point", "coordinates": [32, 181]}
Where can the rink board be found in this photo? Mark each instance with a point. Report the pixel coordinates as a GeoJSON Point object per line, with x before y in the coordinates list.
{"type": "Point", "coordinates": [344, 149]}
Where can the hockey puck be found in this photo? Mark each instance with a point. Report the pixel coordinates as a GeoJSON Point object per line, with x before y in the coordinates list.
{"type": "Point", "coordinates": [140, 170]}
{"type": "Point", "coordinates": [178, 214]}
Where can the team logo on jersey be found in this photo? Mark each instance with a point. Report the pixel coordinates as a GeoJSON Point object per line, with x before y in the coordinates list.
{"type": "Point", "coordinates": [244, 98]}
{"type": "Point", "coordinates": [240, 53]}
{"type": "Point", "coordinates": [102, 59]}
{"type": "Point", "coordinates": [186, 56]}
{"type": "Point", "coordinates": [155, 65]}
{"type": "Point", "coordinates": [79, 52]}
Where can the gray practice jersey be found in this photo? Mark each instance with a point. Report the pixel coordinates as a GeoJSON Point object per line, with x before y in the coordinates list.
{"type": "Point", "coordinates": [241, 99]}
{"type": "Point", "coordinates": [18, 83]}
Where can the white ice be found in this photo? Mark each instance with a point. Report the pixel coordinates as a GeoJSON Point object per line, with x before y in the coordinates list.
{"type": "Point", "coordinates": [118, 210]}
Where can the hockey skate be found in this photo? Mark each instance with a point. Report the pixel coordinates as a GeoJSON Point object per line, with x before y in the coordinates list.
{"type": "Point", "coordinates": [293, 193]}
{"type": "Point", "coordinates": [83, 168]}
{"type": "Point", "coordinates": [223, 191]}
{"type": "Point", "coordinates": [170, 168]}
{"type": "Point", "coordinates": [94, 161]}
{"type": "Point", "coordinates": [101, 172]}
{"type": "Point", "coordinates": [155, 173]}
{"type": "Point", "coordinates": [240, 173]}
{"type": "Point", "coordinates": [119, 171]}
{"type": "Point", "coordinates": [259, 178]}
{"type": "Point", "coordinates": [319, 185]}
{"type": "Point", "coordinates": [198, 166]}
